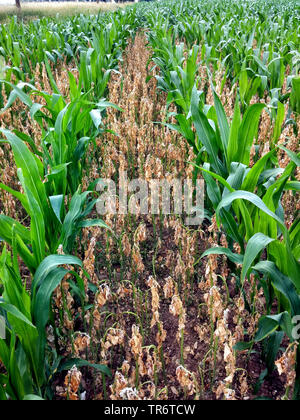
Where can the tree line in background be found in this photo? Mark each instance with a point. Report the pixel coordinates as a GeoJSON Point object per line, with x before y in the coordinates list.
{"type": "Point", "coordinates": [18, 2]}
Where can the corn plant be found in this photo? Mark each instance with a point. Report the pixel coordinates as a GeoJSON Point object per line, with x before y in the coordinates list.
{"type": "Point", "coordinates": [179, 83]}
{"type": "Point", "coordinates": [222, 148]}
{"type": "Point", "coordinates": [24, 46]}
{"type": "Point", "coordinates": [295, 95]}
{"type": "Point", "coordinates": [28, 360]}
{"type": "Point", "coordinates": [249, 46]}
{"type": "Point", "coordinates": [51, 224]}
{"type": "Point", "coordinates": [279, 274]}
{"type": "Point", "coordinates": [70, 129]}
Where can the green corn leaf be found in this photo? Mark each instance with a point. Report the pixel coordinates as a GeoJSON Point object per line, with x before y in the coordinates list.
{"type": "Point", "coordinates": [233, 143]}
{"type": "Point", "coordinates": [213, 190]}
{"type": "Point", "coordinates": [226, 218]}
{"type": "Point", "coordinates": [247, 132]}
{"type": "Point", "coordinates": [255, 245]}
{"type": "Point", "coordinates": [74, 216]}
{"type": "Point", "coordinates": [292, 185]}
{"type": "Point", "coordinates": [17, 92]}
{"type": "Point", "coordinates": [41, 302]}
{"type": "Point", "coordinates": [57, 202]}
{"type": "Point", "coordinates": [236, 176]}
{"type": "Point", "coordinates": [293, 266]}
{"type": "Point", "coordinates": [48, 264]}
{"type": "Point", "coordinates": [292, 155]}
{"type": "Point", "coordinates": [216, 176]}
{"type": "Point", "coordinates": [222, 120]}
{"type": "Point", "coordinates": [295, 95]}
{"type": "Point", "coordinates": [31, 397]}
{"type": "Point", "coordinates": [11, 309]}
{"type": "Point", "coordinates": [295, 233]}
{"type": "Point", "coordinates": [37, 225]}
{"type": "Point", "coordinates": [14, 371]}
{"type": "Point", "coordinates": [282, 283]}
{"type": "Point", "coordinates": [96, 117]}
{"type": "Point", "coordinates": [254, 199]}
{"type": "Point", "coordinates": [243, 84]}
{"type": "Point", "coordinates": [278, 122]}
{"type": "Point", "coordinates": [272, 348]}
{"type": "Point", "coordinates": [6, 226]}
{"type": "Point", "coordinates": [27, 163]}
{"type": "Point", "coordinates": [4, 353]}
{"type": "Point", "coordinates": [207, 137]}
{"type": "Point", "coordinates": [252, 177]}
{"type": "Point", "coordinates": [94, 222]}
{"type": "Point", "coordinates": [28, 140]}
{"type": "Point", "coordinates": [252, 88]}
{"type": "Point", "coordinates": [82, 363]}
{"type": "Point", "coordinates": [236, 258]}
{"type": "Point", "coordinates": [50, 75]}
{"type": "Point", "coordinates": [268, 324]}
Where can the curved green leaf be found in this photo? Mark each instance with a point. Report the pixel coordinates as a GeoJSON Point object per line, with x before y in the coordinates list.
{"type": "Point", "coordinates": [255, 245]}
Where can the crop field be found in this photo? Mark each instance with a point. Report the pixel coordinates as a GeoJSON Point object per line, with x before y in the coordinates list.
{"type": "Point", "coordinates": [149, 203]}
{"type": "Point", "coordinates": [64, 8]}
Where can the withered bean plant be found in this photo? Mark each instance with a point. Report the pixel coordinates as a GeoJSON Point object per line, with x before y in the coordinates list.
{"type": "Point", "coordinates": [143, 306]}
